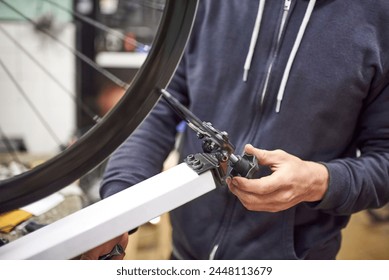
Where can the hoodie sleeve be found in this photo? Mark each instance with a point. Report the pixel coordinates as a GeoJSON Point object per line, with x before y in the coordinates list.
{"type": "Point", "coordinates": [142, 155]}
{"type": "Point", "coordinates": [363, 182]}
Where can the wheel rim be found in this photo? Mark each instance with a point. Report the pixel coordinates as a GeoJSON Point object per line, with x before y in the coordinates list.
{"type": "Point", "coordinates": [98, 143]}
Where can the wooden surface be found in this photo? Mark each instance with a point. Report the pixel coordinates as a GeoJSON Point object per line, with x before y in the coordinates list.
{"type": "Point", "coordinates": [364, 239]}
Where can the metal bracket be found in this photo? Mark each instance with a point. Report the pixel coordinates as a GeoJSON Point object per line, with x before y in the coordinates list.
{"type": "Point", "coordinates": [203, 162]}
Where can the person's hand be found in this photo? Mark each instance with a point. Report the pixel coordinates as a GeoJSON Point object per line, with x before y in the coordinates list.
{"type": "Point", "coordinates": [107, 247]}
{"type": "Point", "coordinates": [292, 181]}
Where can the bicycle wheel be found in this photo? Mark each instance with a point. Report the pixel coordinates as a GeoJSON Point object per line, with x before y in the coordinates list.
{"type": "Point", "coordinates": [98, 143]}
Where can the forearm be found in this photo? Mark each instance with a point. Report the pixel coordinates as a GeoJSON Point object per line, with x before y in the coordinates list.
{"type": "Point", "coordinates": [356, 184]}
{"type": "Point", "coordinates": [142, 155]}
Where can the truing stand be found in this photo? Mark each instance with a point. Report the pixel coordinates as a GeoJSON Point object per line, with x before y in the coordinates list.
{"type": "Point", "coordinates": [106, 219]}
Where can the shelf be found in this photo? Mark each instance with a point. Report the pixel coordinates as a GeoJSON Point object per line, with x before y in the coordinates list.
{"type": "Point", "coordinates": [120, 59]}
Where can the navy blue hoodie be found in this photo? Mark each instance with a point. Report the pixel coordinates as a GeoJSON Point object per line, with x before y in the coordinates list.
{"type": "Point", "coordinates": [307, 77]}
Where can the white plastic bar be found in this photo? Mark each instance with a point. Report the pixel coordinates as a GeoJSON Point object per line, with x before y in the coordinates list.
{"type": "Point", "coordinates": [106, 219]}
{"type": "Point", "coordinates": [121, 59]}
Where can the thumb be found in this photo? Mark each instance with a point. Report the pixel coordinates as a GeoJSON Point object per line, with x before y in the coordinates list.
{"type": "Point", "coordinates": [90, 255]}
{"type": "Point", "coordinates": [265, 157]}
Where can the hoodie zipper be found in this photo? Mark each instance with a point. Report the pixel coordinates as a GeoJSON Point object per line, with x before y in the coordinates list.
{"type": "Point", "coordinates": [226, 220]}
{"type": "Point", "coordinates": [285, 13]}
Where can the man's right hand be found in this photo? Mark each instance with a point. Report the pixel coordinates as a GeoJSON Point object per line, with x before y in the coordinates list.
{"type": "Point", "coordinates": [107, 247]}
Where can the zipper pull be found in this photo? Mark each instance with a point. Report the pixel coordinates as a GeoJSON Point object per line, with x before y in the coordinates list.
{"type": "Point", "coordinates": [287, 5]}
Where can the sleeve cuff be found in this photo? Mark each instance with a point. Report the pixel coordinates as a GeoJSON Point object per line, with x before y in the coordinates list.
{"type": "Point", "coordinates": [338, 188]}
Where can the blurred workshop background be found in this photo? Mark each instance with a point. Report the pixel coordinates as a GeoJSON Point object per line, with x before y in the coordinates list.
{"type": "Point", "coordinates": [43, 82]}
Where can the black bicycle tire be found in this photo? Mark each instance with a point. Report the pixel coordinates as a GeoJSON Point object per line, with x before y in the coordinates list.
{"type": "Point", "coordinates": [98, 143]}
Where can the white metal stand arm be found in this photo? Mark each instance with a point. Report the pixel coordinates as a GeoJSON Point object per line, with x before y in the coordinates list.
{"type": "Point", "coordinates": [106, 219]}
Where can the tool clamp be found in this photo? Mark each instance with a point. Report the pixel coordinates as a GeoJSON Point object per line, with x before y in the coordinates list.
{"type": "Point", "coordinates": [218, 152]}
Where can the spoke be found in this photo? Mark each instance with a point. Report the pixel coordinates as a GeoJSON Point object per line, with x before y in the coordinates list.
{"type": "Point", "coordinates": [151, 5]}
{"type": "Point", "coordinates": [31, 104]}
{"type": "Point", "coordinates": [80, 55]}
{"type": "Point", "coordinates": [72, 95]}
{"type": "Point", "coordinates": [100, 26]}
{"type": "Point", "coordinates": [8, 145]}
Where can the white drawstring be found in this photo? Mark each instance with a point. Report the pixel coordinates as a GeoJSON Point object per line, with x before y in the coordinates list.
{"type": "Point", "coordinates": [293, 53]}
{"type": "Point", "coordinates": [253, 42]}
